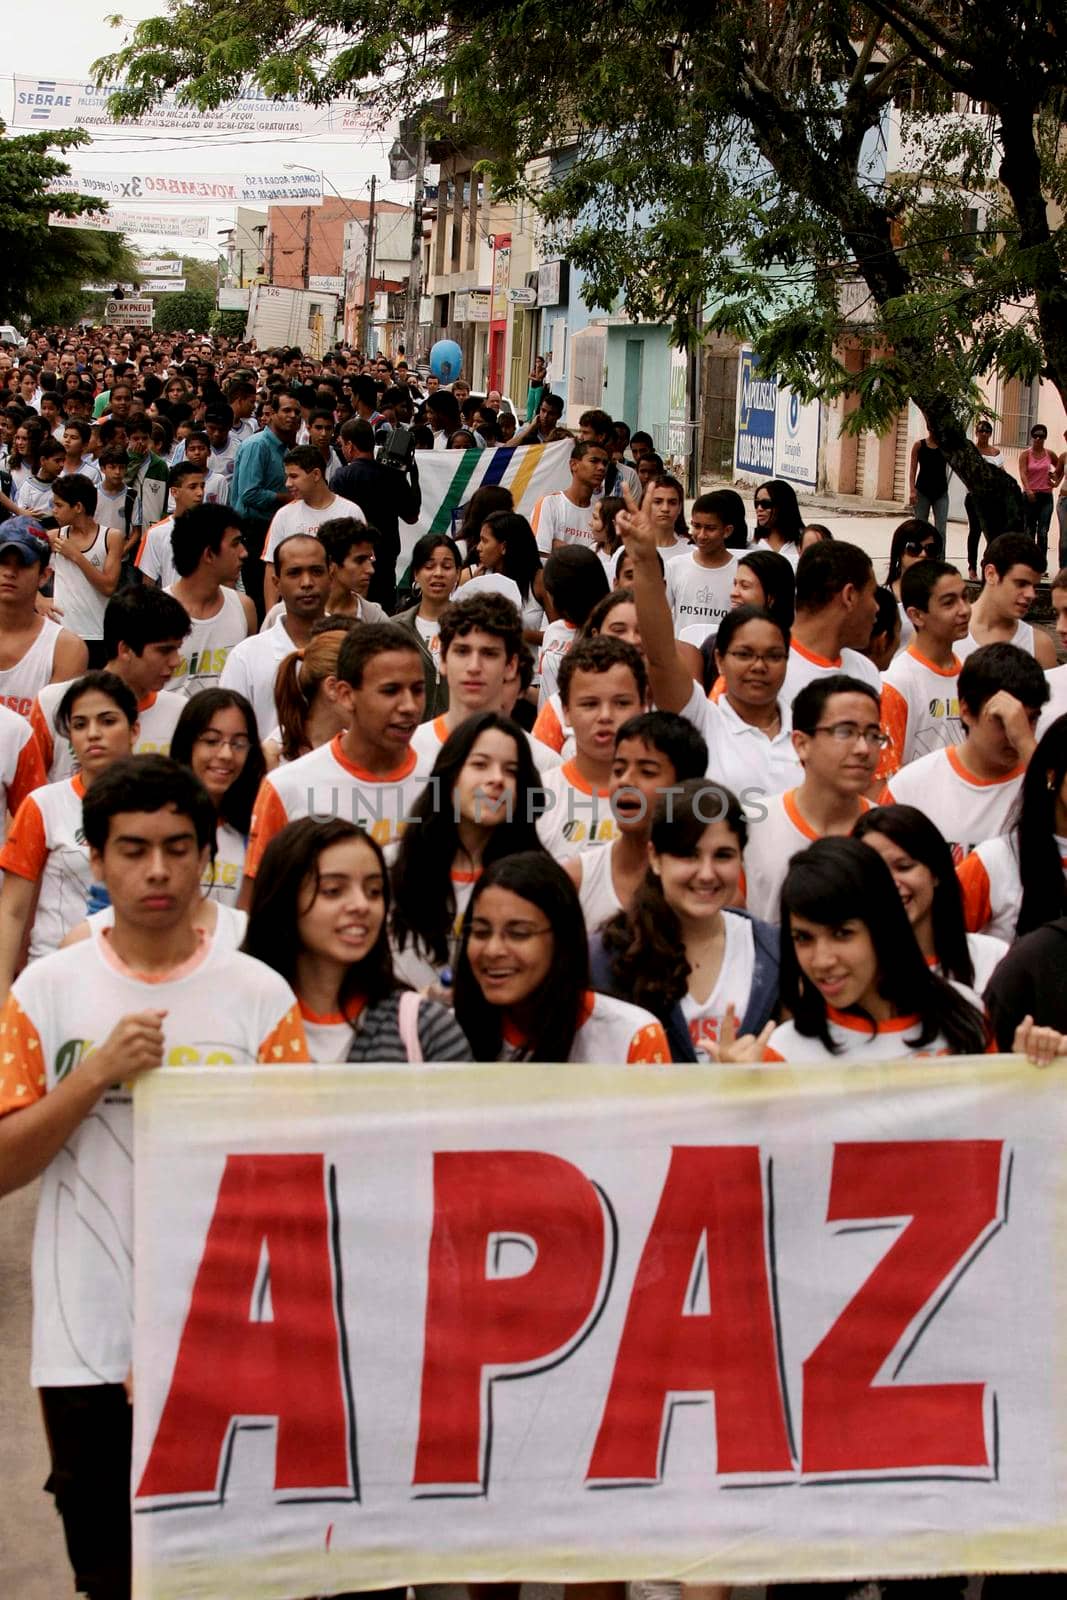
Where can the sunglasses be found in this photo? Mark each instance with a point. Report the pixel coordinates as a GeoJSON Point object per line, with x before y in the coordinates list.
{"type": "Point", "coordinates": [763, 505]}
{"type": "Point", "coordinates": [916, 547]}
{"type": "Point", "coordinates": [1039, 433]}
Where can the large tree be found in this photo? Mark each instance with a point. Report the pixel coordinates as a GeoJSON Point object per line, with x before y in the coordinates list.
{"type": "Point", "coordinates": [42, 269]}
{"type": "Point", "coordinates": [731, 155]}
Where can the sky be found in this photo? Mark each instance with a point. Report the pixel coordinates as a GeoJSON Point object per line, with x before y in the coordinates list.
{"type": "Point", "coordinates": [75, 36]}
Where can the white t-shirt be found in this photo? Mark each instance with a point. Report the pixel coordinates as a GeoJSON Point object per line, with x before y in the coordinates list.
{"type": "Point", "coordinates": [324, 783]}
{"type": "Point", "coordinates": [1056, 705]}
{"type": "Point", "coordinates": [429, 631]}
{"type": "Point", "coordinates": [992, 885]}
{"type": "Point", "coordinates": [967, 810]}
{"type": "Point", "coordinates": [252, 667]}
{"type": "Point", "coordinates": [429, 738]}
{"type": "Point", "coordinates": [157, 717]}
{"type": "Point", "coordinates": [555, 516]}
{"type": "Point", "coordinates": [920, 706]}
{"type": "Point", "coordinates": [206, 646]}
{"type": "Point", "coordinates": [222, 461]}
{"type": "Point", "coordinates": [22, 766]}
{"type": "Point", "coordinates": [611, 1032]}
{"type": "Point", "coordinates": [412, 965]}
{"type": "Point", "coordinates": [155, 555]}
{"type": "Point", "coordinates": [111, 508]}
{"type": "Point", "coordinates": [297, 517]}
{"type": "Point", "coordinates": [732, 987]}
{"type": "Point", "coordinates": [222, 1008]}
{"type": "Point", "coordinates": [35, 497]}
{"type": "Point", "coordinates": [773, 841]}
{"type": "Point", "coordinates": [231, 925]}
{"type": "Point", "coordinates": [699, 595]}
{"type": "Point", "coordinates": [222, 877]}
{"type": "Point", "coordinates": [891, 1041]}
{"type": "Point", "coordinates": [596, 892]}
{"type": "Point", "coordinates": [740, 757]}
{"type": "Point", "coordinates": [805, 666]}
{"type": "Point", "coordinates": [790, 551]}
{"type": "Point", "coordinates": [45, 845]}
{"type": "Point", "coordinates": [578, 814]}
{"type": "Point", "coordinates": [556, 640]}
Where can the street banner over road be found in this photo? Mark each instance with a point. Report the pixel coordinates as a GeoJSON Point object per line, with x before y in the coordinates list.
{"type": "Point", "coordinates": [414, 1325]}
{"type": "Point", "coordinates": [54, 103]}
{"type": "Point", "coordinates": [147, 186]}
{"type": "Point", "coordinates": [152, 223]}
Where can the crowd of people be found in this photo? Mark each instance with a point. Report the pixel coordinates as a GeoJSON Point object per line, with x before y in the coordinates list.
{"type": "Point", "coordinates": [612, 784]}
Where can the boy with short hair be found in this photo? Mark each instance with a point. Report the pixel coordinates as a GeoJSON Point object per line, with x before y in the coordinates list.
{"type": "Point", "coordinates": [967, 790]}
{"type": "Point", "coordinates": [566, 517]}
{"type": "Point", "coordinates": [35, 496]}
{"type": "Point", "coordinates": [700, 579]}
{"type": "Point", "coordinates": [654, 752]}
{"type": "Point", "coordinates": [208, 547]}
{"type": "Point", "coordinates": [1011, 571]}
{"type": "Point", "coordinates": [313, 503]}
{"type": "Point", "coordinates": [351, 549]}
{"type": "Point", "coordinates": [146, 476]}
{"type": "Point", "coordinates": [114, 501]}
{"type": "Point", "coordinates": [920, 707]}
{"type": "Point", "coordinates": [602, 683]}
{"type": "Point", "coordinates": [369, 774]}
{"type": "Point", "coordinates": [77, 1027]}
{"type": "Point", "coordinates": [155, 558]}
{"type": "Point", "coordinates": [838, 736]}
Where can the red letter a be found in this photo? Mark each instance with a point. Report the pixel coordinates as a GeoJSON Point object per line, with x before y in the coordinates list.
{"type": "Point", "coordinates": [230, 1367]}
{"type": "Point", "coordinates": [475, 1321]}
{"type": "Point", "coordinates": [714, 1196]}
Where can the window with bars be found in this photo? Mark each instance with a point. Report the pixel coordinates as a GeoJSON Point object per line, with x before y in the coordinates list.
{"type": "Point", "coordinates": [1018, 402]}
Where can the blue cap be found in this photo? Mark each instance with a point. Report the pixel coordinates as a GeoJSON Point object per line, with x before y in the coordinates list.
{"type": "Point", "coordinates": [25, 535]}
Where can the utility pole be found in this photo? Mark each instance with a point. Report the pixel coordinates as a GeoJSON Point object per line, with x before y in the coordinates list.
{"type": "Point", "coordinates": [368, 273]}
{"type": "Point", "coordinates": [270, 258]}
{"type": "Point", "coordinates": [307, 247]}
{"type": "Point", "coordinates": [411, 328]}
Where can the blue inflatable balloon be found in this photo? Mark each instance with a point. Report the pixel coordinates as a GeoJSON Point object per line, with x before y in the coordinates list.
{"type": "Point", "coordinates": [446, 359]}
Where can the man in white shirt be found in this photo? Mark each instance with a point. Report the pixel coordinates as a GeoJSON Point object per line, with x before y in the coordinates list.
{"type": "Point", "coordinates": [218, 423]}
{"type": "Point", "coordinates": [566, 517]}
{"type": "Point", "coordinates": [302, 579]}
{"type": "Point", "coordinates": [836, 610]}
{"type": "Point", "coordinates": [35, 495]}
{"type": "Point", "coordinates": [78, 1027]}
{"type": "Point", "coordinates": [208, 545]}
{"type": "Point", "coordinates": [699, 581]}
{"type": "Point", "coordinates": [920, 704]}
{"type": "Point", "coordinates": [1011, 570]}
{"type": "Point", "coordinates": [665, 499]}
{"type": "Point", "coordinates": [313, 503]}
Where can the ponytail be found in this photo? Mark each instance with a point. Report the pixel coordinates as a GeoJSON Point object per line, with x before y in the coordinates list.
{"type": "Point", "coordinates": [297, 684]}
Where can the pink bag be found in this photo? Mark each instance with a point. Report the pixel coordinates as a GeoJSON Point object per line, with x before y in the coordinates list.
{"type": "Point", "coordinates": [408, 1021]}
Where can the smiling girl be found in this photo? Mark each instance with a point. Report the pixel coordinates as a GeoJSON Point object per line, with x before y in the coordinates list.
{"type": "Point", "coordinates": [852, 974]}
{"type": "Point", "coordinates": [216, 737]}
{"type": "Point", "coordinates": [318, 916]}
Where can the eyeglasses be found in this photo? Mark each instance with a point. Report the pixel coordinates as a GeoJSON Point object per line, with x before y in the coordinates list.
{"type": "Point", "coordinates": [915, 547]}
{"type": "Point", "coordinates": [770, 658]}
{"type": "Point", "coordinates": [240, 744]}
{"type": "Point", "coordinates": [849, 732]}
{"type": "Point", "coordinates": [514, 934]}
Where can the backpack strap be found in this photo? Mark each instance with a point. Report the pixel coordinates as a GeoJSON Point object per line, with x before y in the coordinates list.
{"type": "Point", "coordinates": [408, 1023]}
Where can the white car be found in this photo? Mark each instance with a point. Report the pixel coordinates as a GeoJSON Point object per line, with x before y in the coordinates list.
{"type": "Point", "coordinates": [9, 334]}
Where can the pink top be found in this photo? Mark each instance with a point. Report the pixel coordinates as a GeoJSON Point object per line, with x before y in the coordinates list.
{"type": "Point", "coordinates": [1038, 470]}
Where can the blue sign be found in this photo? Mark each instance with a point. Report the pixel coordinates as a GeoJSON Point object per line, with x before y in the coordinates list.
{"type": "Point", "coordinates": [757, 401]}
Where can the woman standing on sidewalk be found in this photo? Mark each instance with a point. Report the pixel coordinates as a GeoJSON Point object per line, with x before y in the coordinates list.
{"type": "Point", "coordinates": [1038, 473]}
{"type": "Point", "coordinates": [928, 490]}
{"type": "Point", "coordinates": [983, 441]}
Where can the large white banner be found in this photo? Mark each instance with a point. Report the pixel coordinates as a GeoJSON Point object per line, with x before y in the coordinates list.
{"type": "Point", "coordinates": [151, 223]}
{"type": "Point", "coordinates": [411, 1325]}
{"type": "Point", "coordinates": [53, 103]}
{"type": "Point", "coordinates": [176, 189]}
{"type": "Point", "coordinates": [448, 479]}
{"type": "Point", "coordinates": [160, 267]}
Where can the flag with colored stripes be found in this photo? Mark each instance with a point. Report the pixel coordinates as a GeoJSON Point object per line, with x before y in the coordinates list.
{"type": "Point", "coordinates": [448, 479]}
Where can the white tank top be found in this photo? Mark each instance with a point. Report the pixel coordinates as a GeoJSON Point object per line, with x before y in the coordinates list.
{"type": "Point", "coordinates": [597, 894]}
{"type": "Point", "coordinates": [1022, 638]}
{"type": "Point", "coordinates": [82, 605]}
{"type": "Point", "coordinates": [207, 644]}
{"type": "Point", "coordinates": [21, 684]}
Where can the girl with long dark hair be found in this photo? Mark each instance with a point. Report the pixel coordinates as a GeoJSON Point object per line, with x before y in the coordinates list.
{"type": "Point", "coordinates": [682, 950]}
{"type": "Point", "coordinates": [522, 979]}
{"type": "Point", "coordinates": [761, 579]}
{"type": "Point", "coordinates": [852, 975]}
{"type": "Point", "coordinates": [1017, 881]}
{"type": "Point", "coordinates": [779, 524]}
{"type": "Point", "coordinates": [217, 738]}
{"type": "Point", "coordinates": [506, 546]}
{"type": "Point", "coordinates": [478, 806]}
{"type": "Point", "coordinates": [920, 861]}
{"type": "Point", "coordinates": [320, 903]}
{"type": "Point", "coordinates": [913, 540]}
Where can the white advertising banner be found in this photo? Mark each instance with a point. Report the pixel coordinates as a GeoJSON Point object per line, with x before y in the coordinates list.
{"type": "Point", "coordinates": [163, 286]}
{"type": "Point", "coordinates": [174, 189]}
{"type": "Point", "coordinates": [160, 267]}
{"type": "Point", "coordinates": [130, 313]}
{"type": "Point", "coordinates": [796, 438]}
{"type": "Point", "coordinates": [150, 223]}
{"type": "Point", "coordinates": [777, 433]}
{"type": "Point", "coordinates": [436, 1324]}
{"type": "Point", "coordinates": [55, 103]}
